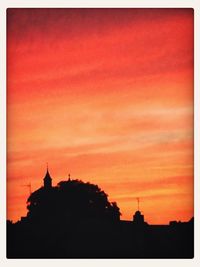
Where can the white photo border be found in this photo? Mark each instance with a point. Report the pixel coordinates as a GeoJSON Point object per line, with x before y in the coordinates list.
{"type": "Point", "coordinates": [195, 4]}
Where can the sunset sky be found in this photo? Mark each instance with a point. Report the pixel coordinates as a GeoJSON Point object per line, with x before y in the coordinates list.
{"type": "Point", "coordinates": [107, 96]}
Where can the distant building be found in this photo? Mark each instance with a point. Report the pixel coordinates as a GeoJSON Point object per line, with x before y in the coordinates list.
{"type": "Point", "coordinates": [138, 218]}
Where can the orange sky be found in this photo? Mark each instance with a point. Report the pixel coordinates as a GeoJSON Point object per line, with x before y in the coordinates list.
{"type": "Point", "coordinates": [106, 95]}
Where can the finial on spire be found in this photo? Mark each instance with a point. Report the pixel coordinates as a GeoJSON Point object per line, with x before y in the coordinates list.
{"type": "Point", "coordinates": [47, 166]}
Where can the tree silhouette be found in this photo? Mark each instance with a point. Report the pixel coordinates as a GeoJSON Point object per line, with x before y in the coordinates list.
{"type": "Point", "coordinates": [71, 200]}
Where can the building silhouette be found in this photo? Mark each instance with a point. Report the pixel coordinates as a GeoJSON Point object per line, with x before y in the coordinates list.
{"type": "Point", "coordinates": [138, 218]}
{"type": "Point", "coordinates": [47, 180]}
{"type": "Point", "coordinates": [93, 237]}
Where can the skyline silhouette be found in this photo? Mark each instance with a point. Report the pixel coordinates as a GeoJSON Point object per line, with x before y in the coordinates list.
{"type": "Point", "coordinates": [48, 187]}
{"type": "Point", "coordinates": [76, 220]}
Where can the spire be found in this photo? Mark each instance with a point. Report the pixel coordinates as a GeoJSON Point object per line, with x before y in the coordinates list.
{"type": "Point", "coordinates": [47, 179]}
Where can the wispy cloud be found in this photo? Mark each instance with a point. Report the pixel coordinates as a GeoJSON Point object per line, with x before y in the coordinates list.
{"type": "Point", "coordinates": [105, 94]}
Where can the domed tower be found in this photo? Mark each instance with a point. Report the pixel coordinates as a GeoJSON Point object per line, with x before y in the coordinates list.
{"type": "Point", "coordinates": [138, 218]}
{"type": "Point", "coordinates": [47, 180]}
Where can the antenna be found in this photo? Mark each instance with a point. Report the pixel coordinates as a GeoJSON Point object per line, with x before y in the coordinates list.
{"type": "Point", "coordinates": [138, 202]}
